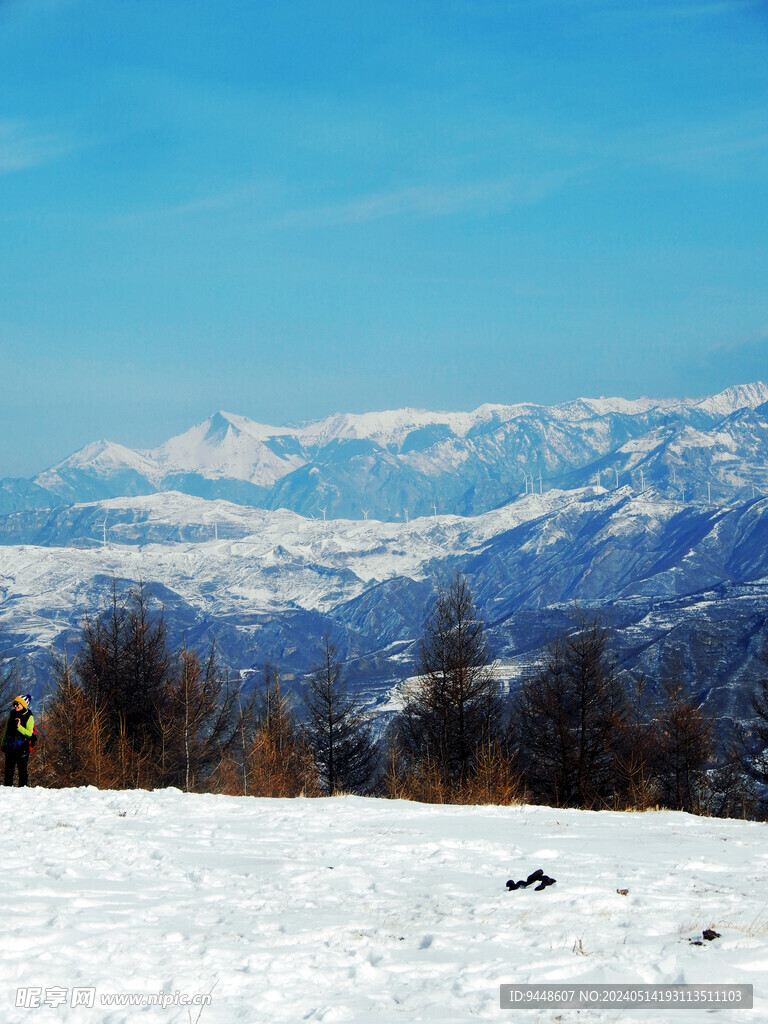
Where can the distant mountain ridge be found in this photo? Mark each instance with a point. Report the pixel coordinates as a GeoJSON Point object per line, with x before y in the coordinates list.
{"type": "Point", "coordinates": [409, 462]}
{"type": "Point", "coordinates": [267, 538]}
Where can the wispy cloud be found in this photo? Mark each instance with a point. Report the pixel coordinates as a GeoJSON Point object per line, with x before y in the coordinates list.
{"type": "Point", "coordinates": [697, 9]}
{"type": "Point", "coordinates": [657, 10]}
{"type": "Point", "coordinates": [432, 200]}
{"type": "Point", "coordinates": [23, 146]}
{"type": "Point", "coordinates": [727, 146]}
{"type": "Point", "coordinates": [237, 198]}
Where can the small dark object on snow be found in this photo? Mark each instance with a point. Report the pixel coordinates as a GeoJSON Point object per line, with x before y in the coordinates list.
{"type": "Point", "coordinates": [535, 876]}
{"type": "Point", "coordinates": [546, 881]}
{"type": "Point", "coordinates": [696, 942]}
{"type": "Point", "coordinates": [622, 892]}
{"type": "Point", "coordinates": [709, 934]}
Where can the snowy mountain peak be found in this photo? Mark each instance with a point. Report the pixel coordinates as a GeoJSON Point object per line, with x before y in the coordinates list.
{"type": "Point", "coordinates": [219, 426]}
{"type": "Point", "coordinates": [740, 396]}
{"type": "Point", "coordinates": [221, 422]}
{"type": "Point", "coordinates": [100, 457]}
{"type": "Point", "coordinates": [390, 427]}
{"type": "Point", "coordinates": [583, 408]}
{"type": "Point", "coordinates": [385, 428]}
{"type": "Point", "coordinates": [226, 445]}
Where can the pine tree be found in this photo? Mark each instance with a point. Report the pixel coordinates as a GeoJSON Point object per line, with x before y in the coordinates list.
{"type": "Point", "coordinates": [569, 715]}
{"type": "Point", "coordinates": [125, 667]}
{"type": "Point", "coordinates": [454, 706]}
{"type": "Point", "coordinates": [686, 745]}
{"type": "Point", "coordinates": [147, 669]}
{"type": "Point", "coordinates": [636, 752]}
{"type": "Point", "coordinates": [338, 731]}
{"type": "Point", "coordinates": [758, 761]}
{"type": "Point", "coordinates": [129, 713]}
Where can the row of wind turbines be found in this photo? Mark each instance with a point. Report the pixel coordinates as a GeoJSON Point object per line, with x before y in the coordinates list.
{"type": "Point", "coordinates": [598, 481]}
{"type": "Point", "coordinates": [530, 488]}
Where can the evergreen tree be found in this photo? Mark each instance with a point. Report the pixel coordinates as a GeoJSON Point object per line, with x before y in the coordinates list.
{"type": "Point", "coordinates": [128, 713]}
{"type": "Point", "coordinates": [758, 760]}
{"type": "Point", "coordinates": [338, 732]}
{"type": "Point", "coordinates": [124, 663]}
{"type": "Point", "coordinates": [570, 714]}
{"type": "Point", "coordinates": [686, 746]}
{"type": "Point", "coordinates": [454, 706]}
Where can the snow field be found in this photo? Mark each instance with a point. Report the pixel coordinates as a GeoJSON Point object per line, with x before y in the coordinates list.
{"type": "Point", "coordinates": [352, 909]}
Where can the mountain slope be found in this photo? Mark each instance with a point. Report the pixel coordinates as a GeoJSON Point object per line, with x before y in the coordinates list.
{"type": "Point", "coordinates": [406, 462]}
{"type": "Point", "coordinates": [270, 584]}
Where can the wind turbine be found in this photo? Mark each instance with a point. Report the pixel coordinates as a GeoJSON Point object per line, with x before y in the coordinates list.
{"type": "Point", "coordinates": [365, 513]}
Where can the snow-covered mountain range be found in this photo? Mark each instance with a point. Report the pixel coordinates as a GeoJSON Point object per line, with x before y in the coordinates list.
{"type": "Point", "coordinates": [671, 545]}
{"type": "Point", "coordinates": [269, 585]}
{"type": "Point", "coordinates": [392, 465]}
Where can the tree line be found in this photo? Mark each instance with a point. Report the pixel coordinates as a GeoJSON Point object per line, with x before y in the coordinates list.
{"type": "Point", "coordinates": [126, 711]}
{"type": "Point", "coordinates": [575, 732]}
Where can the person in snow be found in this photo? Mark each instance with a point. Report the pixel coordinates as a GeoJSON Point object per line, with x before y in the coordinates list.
{"type": "Point", "coordinates": [15, 741]}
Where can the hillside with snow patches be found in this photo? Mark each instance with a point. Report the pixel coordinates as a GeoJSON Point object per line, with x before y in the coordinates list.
{"type": "Point", "coordinates": [348, 909]}
{"type": "Point", "coordinates": [239, 531]}
{"type": "Point", "coordinates": [269, 585]}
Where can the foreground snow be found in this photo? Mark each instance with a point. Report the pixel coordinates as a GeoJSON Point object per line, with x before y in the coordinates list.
{"type": "Point", "coordinates": [365, 910]}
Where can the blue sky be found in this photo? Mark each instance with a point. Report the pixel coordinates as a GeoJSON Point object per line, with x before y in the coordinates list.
{"type": "Point", "coordinates": [286, 209]}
